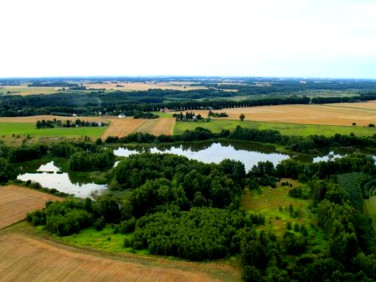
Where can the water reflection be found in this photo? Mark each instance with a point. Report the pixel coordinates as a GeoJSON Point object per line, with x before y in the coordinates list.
{"type": "Point", "coordinates": [49, 176]}
{"type": "Point", "coordinates": [214, 152]}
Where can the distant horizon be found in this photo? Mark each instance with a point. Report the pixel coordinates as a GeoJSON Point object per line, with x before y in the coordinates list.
{"type": "Point", "coordinates": [181, 76]}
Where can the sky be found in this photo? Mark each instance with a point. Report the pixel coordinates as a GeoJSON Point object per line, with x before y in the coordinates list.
{"type": "Point", "coordinates": [274, 38]}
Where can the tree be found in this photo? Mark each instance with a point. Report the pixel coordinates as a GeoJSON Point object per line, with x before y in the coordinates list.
{"type": "Point", "coordinates": [242, 117]}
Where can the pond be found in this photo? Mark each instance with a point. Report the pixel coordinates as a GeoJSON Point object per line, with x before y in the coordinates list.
{"type": "Point", "coordinates": [215, 153]}
{"type": "Point", "coordinates": [49, 176]}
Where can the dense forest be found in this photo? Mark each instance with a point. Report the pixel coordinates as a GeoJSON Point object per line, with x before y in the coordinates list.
{"type": "Point", "coordinates": [184, 208]}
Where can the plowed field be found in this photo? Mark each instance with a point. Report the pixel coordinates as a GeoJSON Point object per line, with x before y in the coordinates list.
{"type": "Point", "coordinates": [16, 202]}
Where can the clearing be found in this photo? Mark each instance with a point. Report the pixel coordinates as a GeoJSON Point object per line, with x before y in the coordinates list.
{"type": "Point", "coordinates": [16, 202]}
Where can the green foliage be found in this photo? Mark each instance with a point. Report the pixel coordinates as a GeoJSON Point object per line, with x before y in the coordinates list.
{"type": "Point", "coordinates": [161, 179]}
{"type": "Point", "coordinates": [7, 171]}
{"type": "Point", "coordinates": [84, 161]}
{"type": "Point", "coordinates": [201, 233]}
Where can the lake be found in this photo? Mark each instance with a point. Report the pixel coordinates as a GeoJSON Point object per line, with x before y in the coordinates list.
{"type": "Point", "coordinates": [49, 176]}
{"type": "Point", "coordinates": [214, 153]}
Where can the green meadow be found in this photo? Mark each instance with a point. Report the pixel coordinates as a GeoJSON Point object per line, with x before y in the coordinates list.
{"type": "Point", "coordinates": [280, 210]}
{"type": "Point", "coordinates": [24, 129]}
{"type": "Point", "coordinates": [216, 125]}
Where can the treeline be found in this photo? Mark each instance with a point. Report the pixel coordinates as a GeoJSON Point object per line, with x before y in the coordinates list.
{"type": "Point", "coordinates": [212, 114]}
{"type": "Point", "coordinates": [310, 144]}
{"type": "Point", "coordinates": [188, 116]}
{"type": "Point", "coordinates": [146, 101]}
{"type": "Point", "coordinates": [68, 123]}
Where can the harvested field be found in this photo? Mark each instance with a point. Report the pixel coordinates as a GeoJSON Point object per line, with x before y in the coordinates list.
{"type": "Point", "coordinates": [158, 126]}
{"type": "Point", "coordinates": [24, 258]}
{"type": "Point", "coordinates": [140, 86]}
{"type": "Point", "coordinates": [328, 114]}
{"type": "Point", "coordinates": [16, 202]}
{"type": "Point", "coordinates": [123, 127]}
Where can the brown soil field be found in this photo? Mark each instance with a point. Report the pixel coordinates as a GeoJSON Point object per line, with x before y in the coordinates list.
{"type": "Point", "coordinates": [16, 202]}
{"type": "Point", "coordinates": [123, 127]}
{"type": "Point", "coordinates": [140, 86]}
{"type": "Point", "coordinates": [327, 114]}
{"type": "Point", "coordinates": [34, 119]}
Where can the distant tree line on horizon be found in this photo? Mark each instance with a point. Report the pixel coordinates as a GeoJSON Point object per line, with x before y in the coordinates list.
{"type": "Point", "coordinates": [145, 101]}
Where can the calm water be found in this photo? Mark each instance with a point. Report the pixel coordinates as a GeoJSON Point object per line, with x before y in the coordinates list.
{"type": "Point", "coordinates": [50, 178]}
{"type": "Point", "coordinates": [213, 153]}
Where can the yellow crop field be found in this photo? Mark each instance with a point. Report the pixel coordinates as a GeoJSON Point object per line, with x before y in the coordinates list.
{"type": "Point", "coordinates": [123, 127]}
{"type": "Point", "coordinates": [327, 114]}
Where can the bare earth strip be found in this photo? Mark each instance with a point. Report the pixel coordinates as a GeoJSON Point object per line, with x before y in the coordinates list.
{"type": "Point", "coordinates": [157, 126]}
{"type": "Point", "coordinates": [24, 258]}
{"type": "Point", "coordinates": [16, 202]}
{"type": "Point", "coordinates": [326, 114]}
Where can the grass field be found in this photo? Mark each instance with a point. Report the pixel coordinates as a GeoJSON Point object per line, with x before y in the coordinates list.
{"type": "Point", "coordinates": [216, 125]}
{"type": "Point", "coordinates": [274, 203]}
{"type": "Point", "coordinates": [370, 209]}
{"type": "Point", "coordinates": [16, 202]}
{"type": "Point", "coordinates": [23, 129]}
{"type": "Point", "coordinates": [24, 90]}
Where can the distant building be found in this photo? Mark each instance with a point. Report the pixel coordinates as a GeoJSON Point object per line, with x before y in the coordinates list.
{"type": "Point", "coordinates": [165, 110]}
{"type": "Point", "coordinates": [121, 116]}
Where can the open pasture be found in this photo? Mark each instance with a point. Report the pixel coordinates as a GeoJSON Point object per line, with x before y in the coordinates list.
{"type": "Point", "coordinates": [24, 90]}
{"type": "Point", "coordinates": [24, 129]}
{"type": "Point", "coordinates": [24, 258]}
{"type": "Point", "coordinates": [216, 125]}
{"type": "Point", "coordinates": [16, 202]}
{"type": "Point", "coordinates": [342, 114]}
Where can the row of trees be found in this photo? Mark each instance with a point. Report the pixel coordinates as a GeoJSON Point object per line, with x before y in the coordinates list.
{"type": "Point", "coordinates": [67, 123]}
